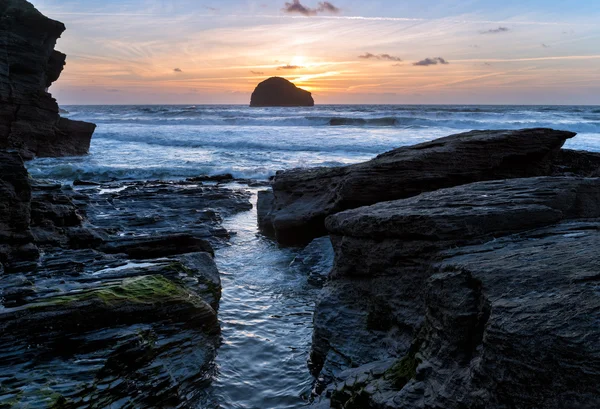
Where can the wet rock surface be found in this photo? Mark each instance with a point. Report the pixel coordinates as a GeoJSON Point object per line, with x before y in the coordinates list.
{"type": "Point", "coordinates": [303, 198]}
{"type": "Point", "coordinates": [119, 310]}
{"type": "Point", "coordinates": [279, 92]}
{"type": "Point", "coordinates": [477, 296]}
{"type": "Point", "coordinates": [29, 116]}
{"type": "Point", "coordinates": [16, 240]}
{"type": "Point", "coordinates": [508, 323]}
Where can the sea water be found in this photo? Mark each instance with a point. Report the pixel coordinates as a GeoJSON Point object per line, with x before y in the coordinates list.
{"type": "Point", "coordinates": [164, 142]}
{"type": "Point", "coordinates": [266, 307]}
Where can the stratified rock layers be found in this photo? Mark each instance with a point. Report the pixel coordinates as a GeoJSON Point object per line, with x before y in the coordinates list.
{"type": "Point", "coordinates": [29, 116]}
{"type": "Point", "coordinates": [479, 295]}
{"type": "Point", "coordinates": [303, 198]}
{"type": "Point", "coordinates": [279, 92]}
{"type": "Point", "coordinates": [108, 293]}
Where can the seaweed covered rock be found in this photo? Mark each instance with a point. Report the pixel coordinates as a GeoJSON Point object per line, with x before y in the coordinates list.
{"type": "Point", "coordinates": [120, 307]}
{"type": "Point", "coordinates": [279, 92]}
{"type": "Point", "coordinates": [145, 335]}
{"type": "Point", "coordinates": [303, 198]}
{"type": "Point", "coordinates": [29, 116]}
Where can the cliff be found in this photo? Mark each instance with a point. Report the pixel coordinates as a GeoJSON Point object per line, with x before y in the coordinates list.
{"type": "Point", "coordinates": [279, 92]}
{"type": "Point", "coordinates": [29, 116]}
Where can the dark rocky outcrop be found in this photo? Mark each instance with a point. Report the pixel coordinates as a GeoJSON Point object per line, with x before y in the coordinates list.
{"type": "Point", "coordinates": [476, 296]}
{"type": "Point", "coordinates": [279, 92]}
{"type": "Point", "coordinates": [303, 198]}
{"type": "Point", "coordinates": [29, 116]}
{"type": "Point", "coordinates": [16, 240]}
{"type": "Point", "coordinates": [509, 323]}
{"type": "Point", "coordinates": [121, 304]}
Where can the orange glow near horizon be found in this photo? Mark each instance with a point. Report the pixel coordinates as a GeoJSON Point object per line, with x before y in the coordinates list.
{"type": "Point", "coordinates": [117, 59]}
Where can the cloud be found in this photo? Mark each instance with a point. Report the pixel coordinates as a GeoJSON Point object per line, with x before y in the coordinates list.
{"type": "Point", "coordinates": [496, 30]}
{"type": "Point", "coordinates": [431, 61]}
{"type": "Point", "coordinates": [289, 67]}
{"type": "Point", "coordinates": [328, 7]}
{"type": "Point", "coordinates": [177, 70]}
{"type": "Point", "coordinates": [385, 57]}
{"type": "Point", "coordinates": [296, 7]}
{"type": "Point", "coordinates": [257, 72]}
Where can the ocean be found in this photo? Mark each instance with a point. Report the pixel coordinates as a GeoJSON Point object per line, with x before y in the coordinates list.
{"type": "Point", "coordinates": [169, 142]}
{"type": "Point", "coordinates": [266, 306]}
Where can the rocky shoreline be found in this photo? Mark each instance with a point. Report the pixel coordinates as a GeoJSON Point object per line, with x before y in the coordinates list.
{"type": "Point", "coordinates": [110, 292]}
{"type": "Point", "coordinates": [481, 295]}
{"type": "Point", "coordinates": [462, 272]}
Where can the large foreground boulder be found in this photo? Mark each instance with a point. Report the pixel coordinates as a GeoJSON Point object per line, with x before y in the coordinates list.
{"type": "Point", "coordinates": [29, 116]}
{"type": "Point", "coordinates": [279, 92]}
{"type": "Point", "coordinates": [476, 296]}
{"type": "Point", "coordinates": [302, 198]}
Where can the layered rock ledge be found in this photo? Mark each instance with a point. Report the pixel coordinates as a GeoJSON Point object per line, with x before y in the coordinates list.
{"type": "Point", "coordinates": [295, 211]}
{"type": "Point", "coordinates": [29, 116]}
{"type": "Point", "coordinates": [109, 292]}
{"type": "Point", "coordinates": [464, 273]}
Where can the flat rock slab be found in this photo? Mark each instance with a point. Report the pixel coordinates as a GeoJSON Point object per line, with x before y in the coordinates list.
{"type": "Point", "coordinates": [303, 198]}
{"type": "Point", "coordinates": [375, 240]}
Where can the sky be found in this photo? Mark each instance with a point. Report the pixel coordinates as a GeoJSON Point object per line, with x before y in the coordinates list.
{"type": "Point", "coordinates": [343, 51]}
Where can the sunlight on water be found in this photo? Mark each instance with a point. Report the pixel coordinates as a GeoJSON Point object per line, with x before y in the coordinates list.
{"type": "Point", "coordinates": [266, 320]}
{"type": "Point", "coordinates": [154, 142]}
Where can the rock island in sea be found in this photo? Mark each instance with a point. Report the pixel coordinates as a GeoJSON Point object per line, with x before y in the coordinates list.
{"type": "Point", "coordinates": [279, 92]}
{"type": "Point", "coordinates": [465, 269]}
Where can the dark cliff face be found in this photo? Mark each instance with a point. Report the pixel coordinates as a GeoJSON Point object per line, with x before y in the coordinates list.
{"type": "Point", "coordinates": [279, 92]}
{"type": "Point", "coordinates": [29, 116]}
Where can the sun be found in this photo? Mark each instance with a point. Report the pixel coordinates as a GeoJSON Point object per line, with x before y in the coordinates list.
{"type": "Point", "coordinates": [298, 61]}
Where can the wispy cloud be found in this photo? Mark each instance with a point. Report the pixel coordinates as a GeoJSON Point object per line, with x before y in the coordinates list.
{"type": "Point", "coordinates": [289, 67]}
{"type": "Point", "coordinates": [496, 30]}
{"type": "Point", "coordinates": [385, 57]}
{"type": "Point", "coordinates": [431, 61]}
{"type": "Point", "coordinates": [295, 7]}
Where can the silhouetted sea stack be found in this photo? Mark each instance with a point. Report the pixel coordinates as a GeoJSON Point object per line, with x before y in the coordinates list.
{"type": "Point", "coordinates": [29, 116]}
{"type": "Point", "coordinates": [279, 92]}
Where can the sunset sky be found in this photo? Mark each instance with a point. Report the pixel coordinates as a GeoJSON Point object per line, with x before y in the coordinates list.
{"type": "Point", "coordinates": [344, 51]}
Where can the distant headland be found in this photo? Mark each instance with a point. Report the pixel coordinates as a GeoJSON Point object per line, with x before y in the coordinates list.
{"type": "Point", "coordinates": [279, 92]}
